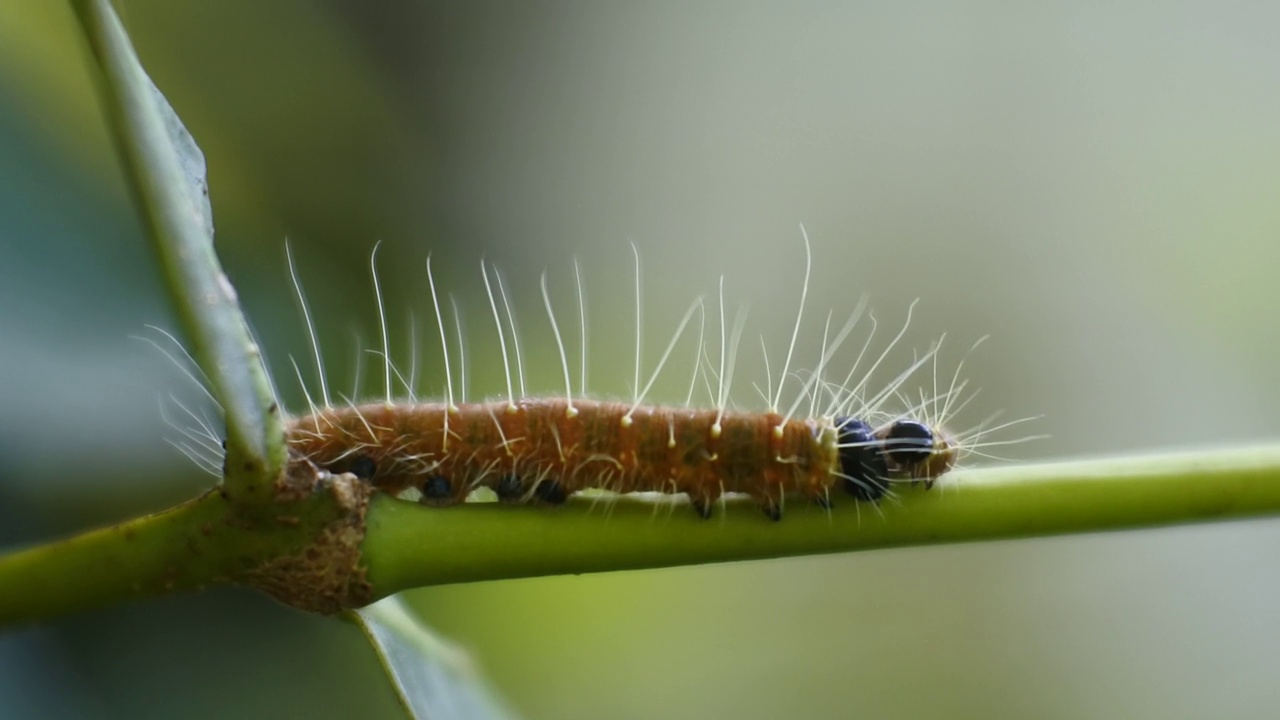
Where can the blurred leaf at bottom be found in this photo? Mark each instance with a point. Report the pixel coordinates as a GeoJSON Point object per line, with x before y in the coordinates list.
{"type": "Point", "coordinates": [434, 679]}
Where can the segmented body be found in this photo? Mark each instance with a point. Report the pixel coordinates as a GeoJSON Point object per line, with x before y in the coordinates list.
{"type": "Point", "coordinates": [542, 450]}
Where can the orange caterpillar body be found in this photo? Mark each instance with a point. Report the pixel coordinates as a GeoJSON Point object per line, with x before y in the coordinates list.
{"type": "Point", "coordinates": [542, 450]}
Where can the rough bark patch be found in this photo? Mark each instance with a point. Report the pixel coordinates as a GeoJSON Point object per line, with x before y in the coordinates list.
{"type": "Point", "coordinates": [325, 576]}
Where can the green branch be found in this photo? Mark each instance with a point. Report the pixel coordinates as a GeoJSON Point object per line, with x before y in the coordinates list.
{"type": "Point", "coordinates": [212, 540]}
{"type": "Point", "coordinates": [167, 172]}
{"type": "Point", "coordinates": [303, 553]}
{"type": "Point", "coordinates": [408, 545]}
{"type": "Point", "coordinates": [147, 557]}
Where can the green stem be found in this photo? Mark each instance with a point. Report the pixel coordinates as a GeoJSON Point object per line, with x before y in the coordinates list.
{"type": "Point", "coordinates": [203, 542]}
{"type": "Point", "coordinates": [149, 556]}
{"type": "Point", "coordinates": [167, 173]}
{"type": "Point", "coordinates": [212, 540]}
{"type": "Point", "coordinates": [407, 545]}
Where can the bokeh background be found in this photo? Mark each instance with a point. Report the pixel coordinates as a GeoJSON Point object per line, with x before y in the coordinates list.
{"type": "Point", "coordinates": [1095, 185]}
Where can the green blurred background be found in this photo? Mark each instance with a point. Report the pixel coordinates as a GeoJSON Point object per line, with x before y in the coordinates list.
{"type": "Point", "coordinates": [1096, 185]}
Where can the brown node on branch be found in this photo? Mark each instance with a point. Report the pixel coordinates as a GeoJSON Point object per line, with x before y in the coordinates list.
{"type": "Point", "coordinates": [325, 575]}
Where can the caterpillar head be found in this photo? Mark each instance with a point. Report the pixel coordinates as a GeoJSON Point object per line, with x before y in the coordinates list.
{"type": "Point", "coordinates": [914, 450]}
{"type": "Point", "coordinates": [871, 459]}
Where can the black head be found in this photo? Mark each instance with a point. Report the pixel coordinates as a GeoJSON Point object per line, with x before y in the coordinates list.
{"type": "Point", "coordinates": [866, 475]}
{"type": "Point", "coordinates": [909, 444]}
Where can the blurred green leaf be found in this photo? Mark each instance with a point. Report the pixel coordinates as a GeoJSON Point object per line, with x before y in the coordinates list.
{"type": "Point", "coordinates": [434, 679]}
{"type": "Point", "coordinates": [167, 170]}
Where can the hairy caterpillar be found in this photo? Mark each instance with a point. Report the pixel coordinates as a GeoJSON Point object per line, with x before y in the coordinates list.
{"type": "Point", "coordinates": [528, 448]}
{"type": "Point", "coordinates": [543, 450]}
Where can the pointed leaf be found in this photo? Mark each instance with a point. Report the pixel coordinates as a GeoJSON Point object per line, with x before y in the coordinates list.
{"type": "Point", "coordinates": [434, 679]}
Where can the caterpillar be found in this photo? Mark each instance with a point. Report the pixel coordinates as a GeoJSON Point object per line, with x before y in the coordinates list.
{"type": "Point", "coordinates": [526, 448]}
{"type": "Point", "coordinates": [545, 449]}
